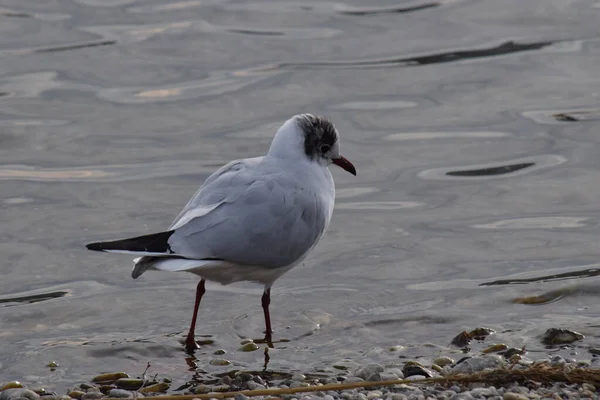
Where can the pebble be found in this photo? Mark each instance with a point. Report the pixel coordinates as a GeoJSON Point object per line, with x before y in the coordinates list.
{"type": "Point", "coordinates": [110, 377]}
{"type": "Point", "coordinates": [120, 393]}
{"type": "Point", "coordinates": [15, 393]}
{"type": "Point", "coordinates": [560, 336]}
{"type": "Point", "coordinates": [514, 396]}
{"type": "Point", "coordinates": [389, 370]}
{"type": "Point", "coordinates": [368, 370]}
{"type": "Point", "coordinates": [11, 385]}
{"type": "Point", "coordinates": [443, 361]}
{"type": "Point", "coordinates": [219, 361]}
{"type": "Point", "coordinates": [156, 388]}
{"type": "Point", "coordinates": [92, 396]}
{"type": "Point", "coordinates": [255, 386]}
{"type": "Point", "coordinates": [479, 363]}
{"type": "Point", "coordinates": [248, 347]}
{"type": "Point", "coordinates": [129, 383]}
{"type": "Point", "coordinates": [298, 377]}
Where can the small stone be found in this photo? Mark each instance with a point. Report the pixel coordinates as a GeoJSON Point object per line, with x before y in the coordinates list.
{"type": "Point", "coordinates": [495, 348]}
{"type": "Point", "coordinates": [202, 389]}
{"type": "Point", "coordinates": [249, 347]}
{"type": "Point", "coordinates": [594, 350]}
{"type": "Point", "coordinates": [156, 388]}
{"type": "Point", "coordinates": [52, 364]}
{"type": "Point", "coordinates": [481, 333]}
{"type": "Point", "coordinates": [240, 396]}
{"type": "Point", "coordinates": [415, 377]}
{"type": "Point", "coordinates": [399, 396]}
{"type": "Point", "coordinates": [389, 376]}
{"type": "Point", "coordinates": [86, 386]}
{"type": "Point", "coordinates": [354, 379]}
{"type": "Point", "coordinates": [92, 396]}
{"type": "Point", "coordinates": [462, 339]}
{"type": "Point", "coordinates": [298, 377]}
{"type": "Point", "coordinates": [589, 386]}
{"type": "Point", "coordinates": [479, 363]}
{"type": "Point", "coordinates": [106, 388]}
{"type": "Point", "coordinates": [258, 379]}
{"type": "Point", "coordinates": [443, 361]}
{"type": "Point", "coordinates": [120, 393]}
{"type": "Point", "coordinates": [558, 361]}
{"type": "Point", "coordinates": [481, 392]}
{"type": "Point", "coordinates": [255, 386]}
{"type": "Point", "coordinates": [110, 377]}
{"type": "Point", "coordinates": [76, 394]}
{"type": "Point", "coordinates": [246, 341]}
{"type": "Point", "coordinates": [368, 370]}
{"type": "Point", "coordinates": [560, 336]}
{"type": "Point", "coordinates": [219, 352]}
{"type": "Point", "coordinates": [226, 380]}
{"type": "Point", "coordinates": [437, 368]}
{"type": "Point", "coordinates": [412, 370]}
{"type": "Point", "coordinates": [509, 353]}
{"type": "Point", "coordinates": [220, 388]}
{"type": "Point", "coordinates": [376, 377]}
{"type": "Point", "coordinates": [375, 394]}
{"type": "Point", "coordinates": [219, 362]}
{"type": "Point", "coordinates": [40, 390]}
{"type": "Point", "coordinates": [15, 393]}
{"type": "Point", "coordinates": [129, 383]}
{"type": "Point", "coordinates": [514, 396]}
{"type": "Point", "coordinates": [12, 385]}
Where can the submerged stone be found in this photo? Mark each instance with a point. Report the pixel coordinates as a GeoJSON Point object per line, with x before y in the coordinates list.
{"type": "Point", "coordinates": [495, 348]}
{"type": "Point", "coordinates": [129, 383]}
{"type": "Point", "coordinates": [109, 377]}
{"type": "Point", "coordinates": [462, 339]}
{"type": "Point", "coordinates": [560, 336]}
{"type": "Point", "coordinates": [156, 388]}
{"type": "Point", "coordinates": [219, 362]}
{"type": "Point", "coordinates": [251, 346]}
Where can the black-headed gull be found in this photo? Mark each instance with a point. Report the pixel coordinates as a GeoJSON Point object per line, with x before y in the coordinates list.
{"type": "Point", "coordinates": [253, 219]}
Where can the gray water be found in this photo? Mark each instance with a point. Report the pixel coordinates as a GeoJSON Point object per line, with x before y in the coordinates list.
{"type": "Point", "coordinates": [474, 127]}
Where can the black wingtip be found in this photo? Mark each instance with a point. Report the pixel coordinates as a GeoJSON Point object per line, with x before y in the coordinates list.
{"type": "Point", "coordinates": [98, 246]}
{"type": "Point", "coordinates": [153, 243]}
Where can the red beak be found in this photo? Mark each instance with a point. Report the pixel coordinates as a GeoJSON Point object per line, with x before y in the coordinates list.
{"type": "Point", "coordinates": [345, 164]}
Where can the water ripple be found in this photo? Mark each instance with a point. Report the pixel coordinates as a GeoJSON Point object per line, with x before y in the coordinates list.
{"type": "Point", "coordinates": [346, 10]}
{"type": "Point", "coordinates": [549, 222]}
{"type": "Point", "coordinates": [218, 83]}
{"type": "Point", "coordinates": [103, 173]}
{"type": "Point", "coordinates": [446, 135]}
{"type": "Point", "coordinates": [508, 47]}
{"type": "Point", "coordinates": [495, 170]}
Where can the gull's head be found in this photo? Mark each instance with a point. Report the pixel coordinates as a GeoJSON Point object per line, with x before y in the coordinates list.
{"type": "Point", "coordinates": [311, 137]}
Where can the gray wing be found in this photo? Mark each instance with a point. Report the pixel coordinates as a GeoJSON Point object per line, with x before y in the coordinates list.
{"type": "Point", "coordinates": [249, 213]}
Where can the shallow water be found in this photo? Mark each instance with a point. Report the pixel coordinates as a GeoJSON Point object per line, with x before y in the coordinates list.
{"type": "Point", "coordinates": [473, 126]}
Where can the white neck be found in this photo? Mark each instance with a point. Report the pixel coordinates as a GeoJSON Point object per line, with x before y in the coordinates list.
{"type": "Point", "coordinates": [288, 142]}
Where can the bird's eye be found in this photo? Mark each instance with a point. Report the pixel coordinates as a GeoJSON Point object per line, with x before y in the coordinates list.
{"type": "Point", "coordinates": [325, 148]}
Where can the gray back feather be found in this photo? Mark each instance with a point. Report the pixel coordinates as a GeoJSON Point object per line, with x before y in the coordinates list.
{"type": "Point", "coordinates": [268, 219]}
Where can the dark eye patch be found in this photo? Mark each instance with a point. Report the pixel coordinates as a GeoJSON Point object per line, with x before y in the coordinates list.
{"type": "Point", "coordinates": [325, 148]}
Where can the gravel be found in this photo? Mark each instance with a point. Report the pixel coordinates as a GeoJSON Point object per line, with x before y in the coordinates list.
{"type": "Point", "coordinates": [239, 381]}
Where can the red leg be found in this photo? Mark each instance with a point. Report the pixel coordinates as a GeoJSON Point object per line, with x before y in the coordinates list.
{"type": "Point", "coordinates": [190, 342]}
{"type": "Point", "coordinates": [266, 300]}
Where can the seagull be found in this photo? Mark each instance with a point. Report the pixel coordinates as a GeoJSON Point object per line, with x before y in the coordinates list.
{"type": "Point", "coordinates": [253, 219]}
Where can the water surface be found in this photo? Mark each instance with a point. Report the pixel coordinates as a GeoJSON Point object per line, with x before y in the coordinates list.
{"type": "Point", "coordinates": [473, 126]}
